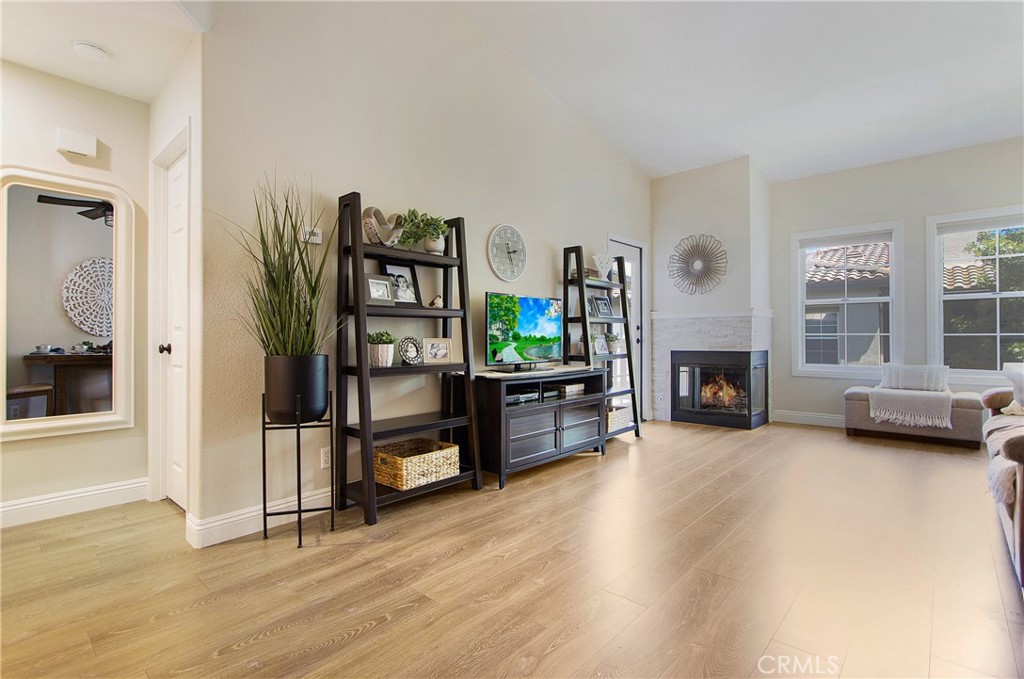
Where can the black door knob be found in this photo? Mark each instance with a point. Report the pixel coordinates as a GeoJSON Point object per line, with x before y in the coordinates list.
{"type": "Point", "coordinates": [164, 349]}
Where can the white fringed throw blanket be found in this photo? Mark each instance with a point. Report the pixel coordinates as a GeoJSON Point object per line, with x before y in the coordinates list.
{"type": "Point", "coordinates": [912, 408]}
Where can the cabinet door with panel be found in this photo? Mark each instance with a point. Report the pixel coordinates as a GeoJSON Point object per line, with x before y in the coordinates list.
{"type": "Point", "coordinates": [533, 435]}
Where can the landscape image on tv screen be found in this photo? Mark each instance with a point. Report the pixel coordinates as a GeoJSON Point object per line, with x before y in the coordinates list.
{"type": "Point", "coordinates": [523, 329]}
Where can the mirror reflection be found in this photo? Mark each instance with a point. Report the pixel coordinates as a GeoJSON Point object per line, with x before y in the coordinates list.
{"type": "Point", "coordinates": [59, 321]}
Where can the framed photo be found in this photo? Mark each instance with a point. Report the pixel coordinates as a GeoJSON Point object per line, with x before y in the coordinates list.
{"type": "Point", "coordinates": [379, 290]}
{"type": "Point", "coordinates": [602, 306]}
{"type": "Point", "coordinates": [600, 345]}
{"type": "Point", "coordinates": [437, 350]}
{"type": "Point", "coordinates": [404, 282]}
{"type": "Point", "coordinates": [411, 351]}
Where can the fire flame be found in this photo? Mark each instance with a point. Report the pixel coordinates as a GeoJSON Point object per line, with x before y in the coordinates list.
{"type": "Point", "coordinates": [719, 392]}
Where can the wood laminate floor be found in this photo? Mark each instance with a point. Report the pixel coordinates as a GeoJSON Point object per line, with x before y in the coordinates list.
{"type": "Point", "coordinates": [695, 552]}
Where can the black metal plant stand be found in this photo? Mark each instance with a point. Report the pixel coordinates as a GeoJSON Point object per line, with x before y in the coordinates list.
{"type": "Point", "coordinates": [326, 421]}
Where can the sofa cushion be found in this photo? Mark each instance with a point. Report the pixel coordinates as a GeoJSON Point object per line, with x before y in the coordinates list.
{"type": "Point", "coordinates": [1004, 435]}
{"type": "Point", "coordinates": [961, 399]}
{"type": "Point", "coordinates": [1015, 373]}
{"type": "Point", "coordinates": [997, 398]}
{"type": "Point", "coordinates": [915, 377]}
{"type": "Point", "coordinates": [1002, 480]}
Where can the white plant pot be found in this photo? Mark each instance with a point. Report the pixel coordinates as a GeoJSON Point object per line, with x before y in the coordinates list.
{"type": "Point", "coordinates": [381, 355]}
{"type": "Point", "coordinates": [434, 247]}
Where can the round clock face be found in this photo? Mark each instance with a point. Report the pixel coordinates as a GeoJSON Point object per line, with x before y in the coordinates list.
{"type": "Point", "coordinates": [506, 252]}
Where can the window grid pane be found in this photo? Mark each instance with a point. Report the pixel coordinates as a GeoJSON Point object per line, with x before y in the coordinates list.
{"type": "Point", "coordinates": [983, 298]}
{"type": "Point", "coordinates": [854, 328]}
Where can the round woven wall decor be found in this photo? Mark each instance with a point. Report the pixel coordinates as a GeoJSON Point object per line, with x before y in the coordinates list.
{"type": "Point", "coordinates": [698, 264]}
{"type": "Point", "coordinates": [89, 296]}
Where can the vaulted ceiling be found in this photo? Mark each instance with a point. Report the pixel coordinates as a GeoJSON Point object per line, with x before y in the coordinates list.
{"type": "Point", "coordinates": [803, 88]}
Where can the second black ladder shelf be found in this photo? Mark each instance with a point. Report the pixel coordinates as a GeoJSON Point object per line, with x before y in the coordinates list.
{"type": "Point", "coordinates": [454, 418]}
{"type": "Point", "coordinates": [614, 311]}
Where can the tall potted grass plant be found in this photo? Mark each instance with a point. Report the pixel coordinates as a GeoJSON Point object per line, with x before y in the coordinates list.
{"type": "Point", "coordinates": [286, 286]}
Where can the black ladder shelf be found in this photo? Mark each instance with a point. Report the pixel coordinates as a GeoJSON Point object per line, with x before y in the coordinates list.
{"type": "Point", "coordinates": [455, 419]}
{"type": "Point", "coordinates": [575, 281]}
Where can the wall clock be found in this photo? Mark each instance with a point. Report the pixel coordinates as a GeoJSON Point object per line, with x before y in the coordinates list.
{"type": "Point", "coordinates": [506, 252]}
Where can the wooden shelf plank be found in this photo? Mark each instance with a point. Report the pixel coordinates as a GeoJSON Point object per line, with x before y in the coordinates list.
{"type": "Point", "coordinates": [628, 391]}
{"type": "Point", "coordinates": [595, 283]}
{"type": "Point", "coordinates": [622, 430]}
{"type": "Point", "coordinates": [405, 256]}
{"type": "Point", "coordinates": [606, 320]}
{"type": "Point", "coordinates": [405, 370]}
{"type": "Point", "coordinates": [409, 312]}
{"type": "Point", "coordinates": [387, 495]}
{"type": "Point", "coordinates": [409, 424]}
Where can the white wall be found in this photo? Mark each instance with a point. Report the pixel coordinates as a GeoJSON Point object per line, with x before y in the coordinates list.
{"type": "Point", "coordinates": [33, 105]}
{"type": "Point", "coordinates": [989, 175]}
{"type": "Point", "coordinates": [411, 106]}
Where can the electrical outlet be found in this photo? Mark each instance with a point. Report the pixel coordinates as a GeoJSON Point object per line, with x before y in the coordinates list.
{"type": "Point", "coordinates": [325, 458]}
{"type": "Point", "coordinates": [15, 411]}
{"type": "Point", "coordinates": [315, 236]}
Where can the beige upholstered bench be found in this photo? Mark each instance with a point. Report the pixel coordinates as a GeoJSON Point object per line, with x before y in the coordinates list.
{"type": "Point", "coordinates": [966, 417]}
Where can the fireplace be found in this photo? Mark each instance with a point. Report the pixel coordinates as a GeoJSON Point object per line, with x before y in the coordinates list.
{"type": "Point", "coordinates": [723, 388]}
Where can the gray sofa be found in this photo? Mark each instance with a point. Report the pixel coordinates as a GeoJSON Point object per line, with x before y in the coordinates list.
{"type": "Point", "coordinates": [1004, 438]}
{"type": "Point", "coordinates": [966, 417]}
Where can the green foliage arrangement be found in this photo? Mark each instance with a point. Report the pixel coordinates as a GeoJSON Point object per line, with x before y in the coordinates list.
{"type": "Point", "coordinates": [419, 225]}
{"type": "Point", "coordinates": [288, 277]}
{"type": "Point", "coordinates": [380, 337]}
{"type": "Point", "coordinates": [503, 313]}
{"type": "Point", "coordinates": [612, 337]}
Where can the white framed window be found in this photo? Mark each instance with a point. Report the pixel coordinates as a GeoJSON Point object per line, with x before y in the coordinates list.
{"type": "Point", "coordinates": [845, 310]}
{"type": "Point", "coordinates": [976, 290]}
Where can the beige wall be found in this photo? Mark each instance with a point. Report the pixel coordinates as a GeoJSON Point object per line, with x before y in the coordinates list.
{"type": "Point", "coordinates": [713, 200]}
{"type": "Point", "coordinates": [33, 106]}
{"type": "Point", "coordinates": [985, 176]}
{"type": "Point", "coordinates": [412, 107]}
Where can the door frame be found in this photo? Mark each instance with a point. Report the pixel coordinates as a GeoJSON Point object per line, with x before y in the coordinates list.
{"type": "Point", "coordinates": [645, 324]}
{"type": "Point", "coordinates": [157, 321]}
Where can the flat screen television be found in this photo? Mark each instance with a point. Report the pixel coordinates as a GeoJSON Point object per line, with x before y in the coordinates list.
{"type": "Point", "coordinates": [523, 331]}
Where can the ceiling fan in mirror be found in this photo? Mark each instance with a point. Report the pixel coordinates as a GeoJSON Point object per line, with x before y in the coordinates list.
{"type": "Point", "coordinates": [94, 208]}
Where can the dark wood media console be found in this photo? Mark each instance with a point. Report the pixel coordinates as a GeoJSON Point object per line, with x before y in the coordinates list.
{"type": "Point", "coordinates": [527, 420]}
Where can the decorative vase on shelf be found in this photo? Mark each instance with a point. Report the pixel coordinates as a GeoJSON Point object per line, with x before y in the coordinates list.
{"type": "Point", "coordinates": [434, 246]}
{"type": "Point", "coordinates": [381, 355]}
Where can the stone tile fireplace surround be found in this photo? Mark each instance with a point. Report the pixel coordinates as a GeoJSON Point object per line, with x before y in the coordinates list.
{"type": "Point", "coordinates": [725, 331]}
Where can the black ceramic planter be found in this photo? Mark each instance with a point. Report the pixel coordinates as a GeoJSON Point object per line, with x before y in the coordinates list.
{"type": "Point", "coordinates": [286, 376]}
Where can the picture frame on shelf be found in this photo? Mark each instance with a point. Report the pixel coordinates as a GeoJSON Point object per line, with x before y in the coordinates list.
{"type": "Point", "coordinates": [600, 345]}
{"type": "Point", "coordinates": [380, 290]}
{"type": "Point", "coordinates": [411, 351]}
{"type": "Point", "coordinates": [405, 283]}
{"type": "Point", "coordinates": [437, 350]}
{"type": "Point", "coordinates": [602, 306]}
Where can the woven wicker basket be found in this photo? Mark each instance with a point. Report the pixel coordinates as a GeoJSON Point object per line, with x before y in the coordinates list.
{"type": "Point", "coordinates": [617, 418]}
{"type": "Point", "coordinates": [415, 462]}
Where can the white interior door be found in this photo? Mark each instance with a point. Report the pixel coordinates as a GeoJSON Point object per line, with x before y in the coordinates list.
{"type": "Point", "coordinates": [633, 255]}
{"type": "Point", "coordinates": [175, 396]}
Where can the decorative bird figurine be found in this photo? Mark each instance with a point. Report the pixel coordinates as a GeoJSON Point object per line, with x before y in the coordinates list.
{"type": "Point", "coordinates": [379, 231]}
{"type": "Point", "coordinates": [436, 303]}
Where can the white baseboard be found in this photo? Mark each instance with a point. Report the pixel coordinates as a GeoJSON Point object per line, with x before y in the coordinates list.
{"type": "Point", "coordinates": [52, 505]}
{"type": "Point", "coordinates": [216, 529]}
{"type": "Point", "coordinates": [814, 419]}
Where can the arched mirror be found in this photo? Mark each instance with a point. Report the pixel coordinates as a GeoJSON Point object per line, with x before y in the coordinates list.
{"type": "Point", "coordinates": [66, 301]}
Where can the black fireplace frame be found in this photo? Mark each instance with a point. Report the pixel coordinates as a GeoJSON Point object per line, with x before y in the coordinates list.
{"type": "Point", "coordinates": [714, 360]}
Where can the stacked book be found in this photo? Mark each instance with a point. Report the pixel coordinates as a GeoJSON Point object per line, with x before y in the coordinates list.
{"type": "Point", "coordinates": [567, 390]}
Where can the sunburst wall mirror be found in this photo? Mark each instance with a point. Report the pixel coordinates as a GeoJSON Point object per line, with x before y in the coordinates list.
{"type": "Point", "coordinates": [698, 264]}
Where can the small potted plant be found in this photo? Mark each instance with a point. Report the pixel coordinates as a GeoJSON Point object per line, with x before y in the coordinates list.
{"type": "Point", "coordinates": [419, 226]}
{"type": "Point", "coordinates": [382, 348]}
{"type": "Point", "coordinates": [615, 344]}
